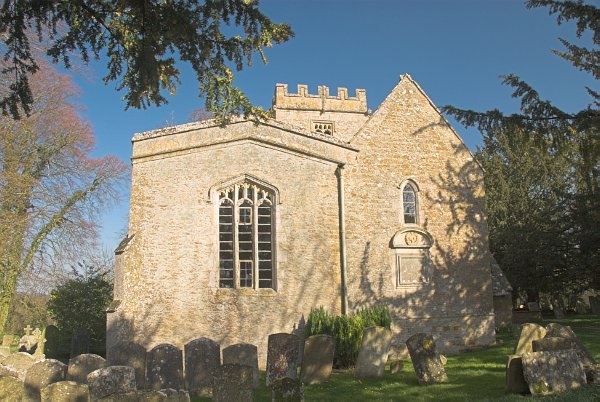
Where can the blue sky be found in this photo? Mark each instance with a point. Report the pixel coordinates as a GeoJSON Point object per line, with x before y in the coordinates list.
{"type": "Point", "coordinates": [455, 49]}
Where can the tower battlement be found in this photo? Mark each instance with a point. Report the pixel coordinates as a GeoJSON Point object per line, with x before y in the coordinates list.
{"type": "Point", "coordinates": [322, 101]}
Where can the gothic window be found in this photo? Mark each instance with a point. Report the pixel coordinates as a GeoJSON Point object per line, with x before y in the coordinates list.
{"type": "Point", "coordinates": [246, 236]}
{"type": "Point", "coordinates": [409, 204]}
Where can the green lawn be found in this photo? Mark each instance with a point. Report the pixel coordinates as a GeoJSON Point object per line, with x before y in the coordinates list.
{"type": "Point", "coordinates": [472, 376]}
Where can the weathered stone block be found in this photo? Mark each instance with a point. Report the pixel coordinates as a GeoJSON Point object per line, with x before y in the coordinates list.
{"type": "Point", "coordinates": [11, 389]}
{"type": "Point", "coordinates": [515, 380]}
{"type": "Point", "coordinates": [65, 391]}
{"type": "Point", "coordinates": [529, 333]}
{"type": "Point", "coordinates": [130, 354]}
{"type": "Point", "coordinates": [81, 365]}
{"type": "Point", "coordinates": [18, 364]}
{"type": "Point", "coordinates": [111, 380]}
{"type": "Point", "coordinates": [550, 372]}
{"type": "Point", "coordinates": [40, 375]}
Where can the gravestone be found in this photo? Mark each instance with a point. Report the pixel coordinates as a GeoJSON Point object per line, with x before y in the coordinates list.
{"type": "Point", "coordinates": [176, 395]}
{"type": "Point", "coordinates": [558, 312]}
{"type": "Point", "coordinates": [595, 304]}
{"type": "Point", "coordinates": [515, 380]}
{"type": "Point", "coordinates": [18, 364]}
{"type": "Point", "coordinates": [533, 306]}
{"type": "Point", "coordinates": [243, 354]}
{"type": "Point", "coordinates": [550, 372]}
{"type": "Point", "coordinates": [80, 366]}
{"type": "Point", "coordinates": [65, 391]}
{"type": "Point", "coordinates": [562, 331]}
{"type": "Point", "coordinates": [4, 351]}
{"type": "Point", "coordinates": [373, 352]}
{"type": "Point", "coordinates": [40, 375]}
{"type": "Point", "coordinates": [553, 343]}
{"type": "Point", "coordinates": [38, 354]}
{"type": "Point", "coordinates": [7, 340]}
{"type": "Point", "coordinates": [202, 355]}
{"type": "Point", "coordinates": [111, 380]}
{"type": "Point", "coordinates": [287, 389]}
{"type": "Point", "coordinates": [396, 366]}
{"type": "Point", "coordinates": [80, 342]}
{"type": "Point", "coordinates": [529, 333]}
{"type": "Point", "coordinates": [164, 367]}
{"type": "Point", "coordinates": [130, 354]}
{"type": "Point", "coordinates": [28, 342]}
{"type": "Point", "coordinates": [426, 359]}
{"type": "Point", "coordinates": [283, 352]}
{"type": "Point", "coordinates": [232, 382]}
{"type": "Point", "coordinates": [317, 360]}
{"type": "Point", "coordinates": [11, 389]}
{"type": "Point", "coordinates": [52, 341]}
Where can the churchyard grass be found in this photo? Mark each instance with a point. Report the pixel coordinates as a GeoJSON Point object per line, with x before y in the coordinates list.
{"type": "Point", "coordinates": [472, 376]}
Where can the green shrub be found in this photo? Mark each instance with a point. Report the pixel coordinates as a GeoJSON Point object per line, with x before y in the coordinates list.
{"type": "Point", "coordinates": [347, 330]}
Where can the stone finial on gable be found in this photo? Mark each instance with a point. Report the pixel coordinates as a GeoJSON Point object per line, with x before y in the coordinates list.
{"type": "Point", "coordinates": [320, 102]}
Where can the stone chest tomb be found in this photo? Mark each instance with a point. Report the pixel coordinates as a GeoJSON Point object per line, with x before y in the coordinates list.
{"type": "Point", "coordinates": [236, 232]}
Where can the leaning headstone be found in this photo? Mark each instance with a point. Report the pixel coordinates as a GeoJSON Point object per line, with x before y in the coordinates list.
{"type": "Point", "coordinates": [283, 352]}
{"type": "Point", "coordinates": [130, 354]}
{"type": "Point", "coordinates": [40, 375]}
{"type": "Point", "coordinates": [232, 382]}
{"type": "Point", "coordinates": [80, 342]}
{"type": "Point", "coordinates": [515, 380]}
{"type": "Point", "coordinates": [164, 367]}
{"type": "Point", "coordinates": [426, 359]}
{"type": "Point", "coordinates": [550, 372]}
{"type": "Point", "coordinates": [18, 364]}
{"type": "Point", "coordinates": [52, 341]}
{"type": "Point", "coordinates": [287, 389]}
{"type": "Point", "coordinates": [373, 352]}
{"type": "Point", "coordinates": [595, 304]}
{"type": "Point", "coordinates": [243, 354]}
{"type": "Point", "coordinates": [11, 389]}
{"type": "Point", "coordinates": [529, 333]}
{"type": "Point", "coordinates": [563, 331]}
{"type": "Point", "coordinates": [111, 380]}
{"type": "Point", "coordinates": [65, 391]}
{"type": "Point", "coordinates": [202, 355]}
{"type": "Point", "coordinates": [317, 360]}
{"type": "Point", "coordinates": [80, 366]}
{"type": "Point", "coordinates": [28, 342]}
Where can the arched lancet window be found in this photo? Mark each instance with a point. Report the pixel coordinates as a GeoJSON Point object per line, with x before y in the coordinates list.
{"type": "Point", "coordinates": [246, 236]}
{"type": "Point", "coordinates": [410, 204]}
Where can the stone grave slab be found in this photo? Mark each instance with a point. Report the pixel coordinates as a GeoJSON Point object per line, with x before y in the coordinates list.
{"type": "Point", "coordinates": [202, 355]}
{"type": "Point", "coordinates": [283, 353]}
{"type": "Point", "coordinates": [232, 382]}
{"type": "Point", "coordinates": [111, 380]}
{"type": "Point", "coordinates": [426, 359]}
{"type": "Point", "coordinates": [130, 354]}
{"type": "Point", "coordinates": [317, 360]}
{"type": "Point", "coordinates": [244, 354]}
{"type": "Point", "coordinates": [81, 365]}
{"type": "Point", "coordinates": [18, 363]}
{"type": "Point", "coordinates": [373, 352]}
{"type": "Point", "coordinates": [40, 375]}
{"type": "Point", "coordinates": [164, 367]}
{"type": "Point", "coordinates": [551, 372]}
{"type": "Point", "coordinates": [65, 391]}
{"type": "Point", "coordinates": [515, 380]}
{"type": "Point", "coordinates": [80, 342]}
{"type": "Point", "coordinates": [11, 389]}
{"type": "Point", "coordinates": [529, 333]}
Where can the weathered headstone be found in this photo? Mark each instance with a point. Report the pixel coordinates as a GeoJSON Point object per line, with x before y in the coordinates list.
{"type": "Point", "coordinates": [533, 306]}
{"type": "Point", "coordinates": [232, 382]}
{"type": "Point", "coordinates": [28, 342]}
{"type": "Point", "coordinates": [283, 352]}
{"type": "Point", "coordinates": [80, 366]}
{"type": "Point", "coordinates": [550, 372]}
{"type": "Point", "coordinates": [11, 389]}
{"type": "Point", "coordinates": [243, 354]}
{"type": "Point", "coordinates": [287, 389]}
{"type": "Point", "coordinates": [595, 304]}
{"type": "Point", "coordinates": [4, 351]}
{"type": "Point", "coordinates": [373, 352]}
{"type": "Point", "coordinates": [18, 364]}
{"type": "Point", "coordinates": [40, 375]}
{"type": "Point", "coordinates": [529, 333]}
{"type": "Point", "coordinates": [558, 312]}
{"type": "Point", "coordinates": [553, 343]}
{"type": "Point", "coordinates": [164, 367]}
{"type": "Point", "coordinates": [80, 342]}
{"type": "Point", "coordinates": [426, 359]}
{"type": "Point", "coordinates": [111, 380]}
{"type": "Point", "coordinates": [38, 354]}
{"type": "Point", "coordinates": [202, 355]}
{"type": "Point", "coordinates": [65, 391]}
{"type": "Point", "coordinates": [7, 340]}
{"type": "Point", "coordinates": [515, 380]}
{"type": "Point", "coordinates": [52, 341]}
{"type": "Point", "coordinates": [130, 354]}
{"type": "Point", "coordinates": [317, 360]}
{"type": "Point", "coordinates": [562, 331]}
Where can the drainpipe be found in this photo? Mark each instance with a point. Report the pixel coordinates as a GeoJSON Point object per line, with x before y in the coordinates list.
{"type": "Point", "coordinates": [339, 172]}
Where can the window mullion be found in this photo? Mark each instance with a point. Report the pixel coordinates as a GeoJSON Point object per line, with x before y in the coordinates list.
{"type": "Point", "coordinates": [255, 238]}
{"type": "Point", "coordinates": [236, 248]}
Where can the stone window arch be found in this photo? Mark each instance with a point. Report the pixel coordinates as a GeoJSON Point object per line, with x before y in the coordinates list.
{"type": "Point", "coordinates": [412, 260]}
{"type": "Point", "coordinates": [246, 217]}
{"type": "Point", "coordinates": [410, 202]}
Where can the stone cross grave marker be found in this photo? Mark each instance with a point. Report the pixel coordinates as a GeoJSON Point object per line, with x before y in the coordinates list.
{"type": "Point", "coordinates": [373, 352]}
{"type": "Point", "coordinates": [426, 359]}
{"type": "Point", "coordinates": [317, 360]}
{"type": "Point", "coordinates": [283, 352]}
{"type": "Point", "coordinates": [243, 354]}
{"type": "Point", "coordinates": [39, 349]}
{"type": "Point", "coordinates": [202, 355]}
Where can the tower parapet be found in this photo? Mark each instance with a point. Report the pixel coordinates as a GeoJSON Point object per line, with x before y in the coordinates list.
{"type": "Point", "coordinates": [322, 102]}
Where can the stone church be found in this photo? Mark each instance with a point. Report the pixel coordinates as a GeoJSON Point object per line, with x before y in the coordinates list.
{"type": "Point", "coordinates": [237, 232]}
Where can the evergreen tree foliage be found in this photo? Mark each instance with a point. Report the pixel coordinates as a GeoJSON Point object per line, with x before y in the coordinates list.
{"type": "Point", "coordinates": [542, 174]}
{"type": "Point", "coordinates": [142, 42]}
